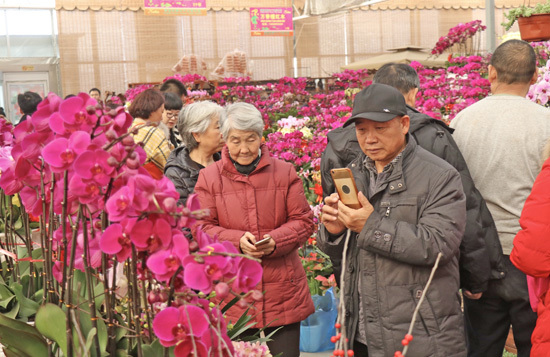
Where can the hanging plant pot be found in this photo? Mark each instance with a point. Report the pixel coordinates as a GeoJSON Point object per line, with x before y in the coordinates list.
{"type": "Point", "coordinates": [535, 27]}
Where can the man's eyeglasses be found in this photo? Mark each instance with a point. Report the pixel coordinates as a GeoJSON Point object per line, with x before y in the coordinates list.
{"type": "Point", "coordinates": [172, 115]}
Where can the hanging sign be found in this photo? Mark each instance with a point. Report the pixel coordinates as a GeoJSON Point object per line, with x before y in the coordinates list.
{"type": "Point", "coordinates": [271, 21]}
{"type": "Point", "coordinates": [175, 7]}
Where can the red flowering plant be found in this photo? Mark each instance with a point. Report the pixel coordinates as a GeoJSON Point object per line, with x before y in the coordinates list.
{"type": "Point", "coordinates": [107, 226]}
{"type": "Point", "coordinates": [463, 38]}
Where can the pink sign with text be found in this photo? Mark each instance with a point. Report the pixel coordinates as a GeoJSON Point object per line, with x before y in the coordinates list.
{"type": "Point", "coordinates": [175, 7]}
{"type": "Point", "coordinates": [271, 21]}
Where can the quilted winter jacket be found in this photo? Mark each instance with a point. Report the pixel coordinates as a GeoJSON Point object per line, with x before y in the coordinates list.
{"type": "Point", "coordinates": [419, 211]}
{"type": "Point", "coordinates": [531, 253]}
{"type": "Point", "coordinates": [183, 171]}
{"type": "Point", "coordinates": [480, 250]}
{"type": "Point", "coordinates": [271, 201]}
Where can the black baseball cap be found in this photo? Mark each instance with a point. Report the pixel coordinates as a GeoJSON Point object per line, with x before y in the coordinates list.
{"type": "Point", "coordinates": [378, 102]}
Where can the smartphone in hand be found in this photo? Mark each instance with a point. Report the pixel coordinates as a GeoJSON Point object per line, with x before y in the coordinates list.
{"type": "Point", "coordinates": [263, 241]}
{"type": "Point", "coordinates": [345, 186]}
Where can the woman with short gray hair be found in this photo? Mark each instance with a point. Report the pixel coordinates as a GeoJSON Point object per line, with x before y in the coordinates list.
{"type": "Point", "coordinates": [199, 127]}
{"type": "Point", "coordinates": [257, 203]}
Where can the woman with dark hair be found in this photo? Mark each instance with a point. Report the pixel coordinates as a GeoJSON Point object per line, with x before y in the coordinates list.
{"type": "Point", "coordinates": [147, 109]}
{"type": "Point", "coordinates": [257, 203]}
{"type": "Point", "coordinates": [199, 126]}
{"type": "Point", "coordinates": [172, 108]}
{"type": "Point", "coordinates": [28, 102]}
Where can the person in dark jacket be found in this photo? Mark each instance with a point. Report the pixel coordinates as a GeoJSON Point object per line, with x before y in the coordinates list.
{"type": "Point", "coordinates": [252, 196]}
{"type": "Point", "coordinates": [412, 209]}
{"type": "Point", "coordinates": [172, 108]}
{"type": "Point", "coordinates": [480, 250]}
{"type": "Point", "coordinates": [199, 127]}
{"type": "Point", "coordinates": [28, 102]}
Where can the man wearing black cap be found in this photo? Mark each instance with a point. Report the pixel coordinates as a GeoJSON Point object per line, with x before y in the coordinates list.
{"type": "Point", "coordinates": [413, 208]}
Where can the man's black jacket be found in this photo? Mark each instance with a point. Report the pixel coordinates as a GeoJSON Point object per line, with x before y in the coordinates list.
{"type": "Point", "coordinates": [480, 250]}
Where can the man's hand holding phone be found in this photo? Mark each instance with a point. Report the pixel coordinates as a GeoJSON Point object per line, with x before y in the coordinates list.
{"type": "Point", "coordinates": [355, 219]}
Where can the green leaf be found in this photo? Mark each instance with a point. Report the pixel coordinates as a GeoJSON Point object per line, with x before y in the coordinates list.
{"type": "Point", "coordinates": [99, 293]}
{"type": "Point", "coordinates": [231, 303]}
{"type": "Point", "coordinates": [90, 339]}
{"type": "Point", "coordinates": [12, 314]}
{"type": "Point", "coordinates": [50, 321]}
{"type": "Point", "coordinates": [6, 301]}
{"type": "Point", "coordinates": [21, 339]}
{"type": "Point", "coordinates": [28, 307]}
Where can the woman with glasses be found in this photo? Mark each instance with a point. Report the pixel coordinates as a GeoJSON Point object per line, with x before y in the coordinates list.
{"type": "Point", "coordinates": [172, 108]}
{"type": "Point", "coordinates": [199, 127]}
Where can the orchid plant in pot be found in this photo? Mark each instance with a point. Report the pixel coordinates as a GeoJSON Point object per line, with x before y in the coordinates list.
{"type": "Point", "coordinates": [113, 273]}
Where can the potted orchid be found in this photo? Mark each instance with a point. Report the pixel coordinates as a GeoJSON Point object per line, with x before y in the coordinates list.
{"type": "Point", "coordinates": [112, 273]}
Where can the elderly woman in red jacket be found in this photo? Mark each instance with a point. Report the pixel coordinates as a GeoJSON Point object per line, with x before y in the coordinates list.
{"type": "Point", "coordinates": [251, 197]}
{"type": "Point", "coordinates": [531, 254]}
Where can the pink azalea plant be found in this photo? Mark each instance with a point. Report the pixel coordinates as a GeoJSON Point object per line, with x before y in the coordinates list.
{"type": "Point", "coordinates": [74, 160]}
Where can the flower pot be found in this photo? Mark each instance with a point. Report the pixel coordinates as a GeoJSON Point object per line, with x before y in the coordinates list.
{"type": "Point", "coordinates": [535, 28]}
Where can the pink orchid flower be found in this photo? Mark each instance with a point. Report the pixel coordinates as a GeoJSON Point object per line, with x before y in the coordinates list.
{"type": "Point", "coordinates": [93, 165]}
{"type": "Point", "coordinates": [200, 274]}
{"type": "Point", "coordinates": [116, 239]}
{"type": "Point", "coordinates": [165, 263]}
{"type": "Point", "coordinates": [177, 326]}
{"type": "Point", "coordinates": [61, 153]}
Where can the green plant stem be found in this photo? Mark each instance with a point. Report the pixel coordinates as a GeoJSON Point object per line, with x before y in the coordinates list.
{"type": "Point", "coordinates": [64, 230]}
{"type": "Point", "coordinates": [135, 299]}
{"type": "Point", "coordinates": [53, 227]}
{"type": "Point", "coordinates": [70, 274]}
{"type": "Point", "coordinates": [172, 282]}
{"type": "Point", "coordinates": [91, 295]}
{"type": "Point", "coordinates": [111, 342]}
{"type": "Point", "coordinates": [28, 242]}
{"type": "Point", "coordinates": [10, 240]}
{"type": "Point", "coordinates": [147, 312]}
{"type": "Point", "coordinates": [48, 289]}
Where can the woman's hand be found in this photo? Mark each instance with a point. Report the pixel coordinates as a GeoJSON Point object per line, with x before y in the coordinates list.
{"type": "Point", "coordinates": [246, 243]}
{"type": "Point", "coordinates": [267, 248]}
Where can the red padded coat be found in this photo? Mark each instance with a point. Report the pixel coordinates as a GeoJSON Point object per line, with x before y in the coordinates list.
{"type": "Point", "coordinates": [271, 201]}
{"type": "Point", "coordinates": [531, 253]}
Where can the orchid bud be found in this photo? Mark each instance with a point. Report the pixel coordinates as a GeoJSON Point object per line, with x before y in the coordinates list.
{"type": "Point", "coordinates": [132, 155]}
{"type": "Point", "coordinates": [111, 161]}
{"type": "Point", "coordinates": [127, 140]}
{"type": "Point", "coordinates": [222, 290]}
{"type": "Point", "coordinates": [111, 134]}
{"type": "Point", "coordinates": [169, 204]}
{"type": "Point", "coordinates": [242, 304]}
{"type": "Point", "coordinates": [257, 295]}
{"type": "Point", "coordinates": [163, 296]}
{"type": "Point", "coordinates": [152, 297]}
{"type": "Point", "coordinates": [132, 164]}
{"type": "Point", "coordinates": [193, 246]}
{"type": "Point", "coordinates": [90, 109]}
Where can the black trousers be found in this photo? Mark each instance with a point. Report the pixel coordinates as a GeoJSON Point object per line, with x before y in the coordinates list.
{"type": "Point", "coordinates": [360, 350]}
{"type": "Point", "coordinates": [488, 319]}
{"type": "Point", "coordinates": [285, 341]}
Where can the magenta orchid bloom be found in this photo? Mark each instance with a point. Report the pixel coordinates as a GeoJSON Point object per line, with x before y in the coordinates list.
{"type": "Point", "coordinates": [177, 326]}
{"type": "Point", "coordinates": [249, 274]}
{"type": "Point", "coordinates": [165, 263]}
{"type": "Point", "coordinates": [86, 191]}
{"type": "Point", "coordinates": [41, 118]}
{"type": "Point", "coordinates": [61, 153]}
{"type": "Point", "coordinates": [93, 165]}
{"type": "Point", "coordinates": [76, 113]}
{"type": "Point", "coordinates": [119, 205]}
{"type": "Point", "coordinates": [199, 275]}
{"type": "Point", "coordinates": [152, 235]}
{"type": "Point", "coordinates": [116, 239]}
